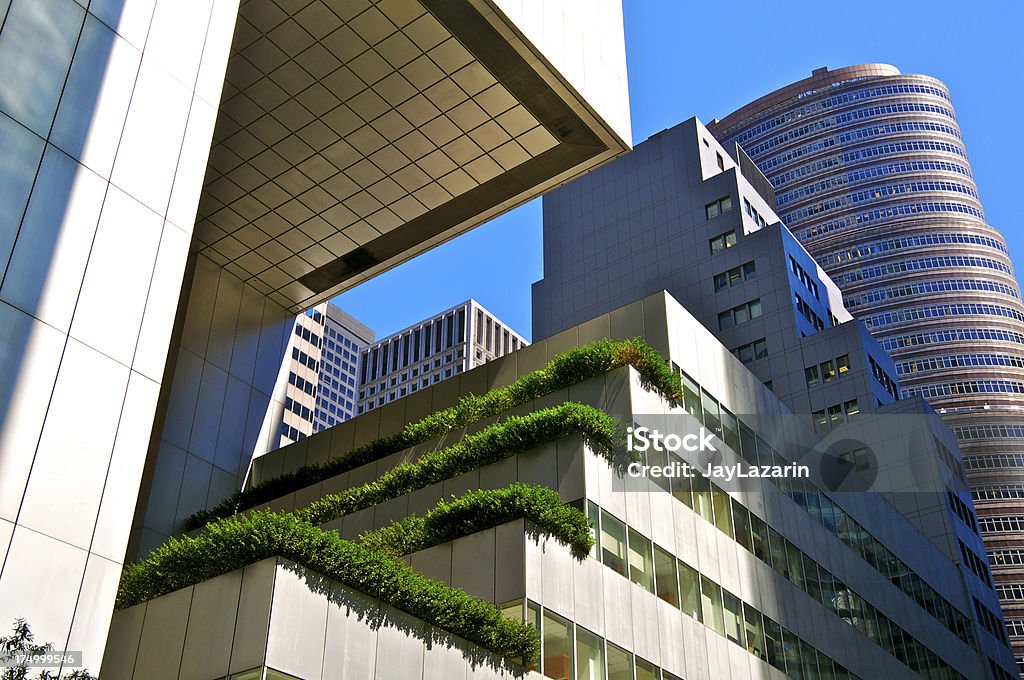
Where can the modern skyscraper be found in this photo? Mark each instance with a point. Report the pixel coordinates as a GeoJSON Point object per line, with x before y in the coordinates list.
{"type": "Point", "coordinates": [178, 180]}
{"type": "Point", "coordinates": [440, 346]}
{"type": "Point", "coordinates": [684, 214]}
{"type": "Point", "coordinates": [323, 371]}
{"type": "Point", "coordinates": [871, 174]}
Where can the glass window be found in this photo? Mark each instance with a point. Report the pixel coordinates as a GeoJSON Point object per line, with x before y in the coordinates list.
{"type": "Point", "coordinates": [721, 281]}
{"type": "Point", "coordinates": [741, 314]}
{"type": "Point", "coordinates": [777, 549]}
{"type": "Point", "coordinates": [754, 631]}
{"type": "Point", "coordinates": [666, 583]}
{"type": "Point", "coordinates": [749, 269]}
{"type": "Point", "coordinates": [725, 320]}
{"type": "Point", "coordinates": [811, 374]}
{"type": "Point", "coordinates": [775, 652]}
{"type": "Point", "coordinates": [702, 496]}
{"type": "Point", "coordinates": [712, 416]}
{"type": "Point", "coordinates": [843, 364]}
{"type": "Point", "coordinates": [811, 582]}
{"type": "Point", "coordinates": [759, 538]}
{"type": "Point", "coordinates": [730, 239]}
{"type": "Point", "coordinates": [589, 655]}
{"type": "Point", "coordinates": [796, 565]}
{"type": "Point", "coordinates": [791, 650]}
{"type": "Point", "coordinates": [689, 590]}
{"type": "Point", "coordinates": [723, 510]}
{"type": "Point", "coordinates": [613, 543]}
{"type": "Point", "coordinates": [733, 618]}
{"type": "Point", "coordinates": [755, 308]}
{"type": "Point", "coordinates": [731, 430]}
{"type": "Point", "coordinates": [620, 663]}
{"type": "Point", "coordinates": [645, 670]}
{"type": "Point", "coordinates": [809, 661]}
{"type": "Point", "coordinates": [557, 647]}
{"type": "Point", "coordinates": [711, 210]}
{"type": "Point", "coordinates": [594, 515]}
{"type": "Point", "coordinates": [681, 484]}
{"type": "Point", "coordinates": [852, 408]}
{"type": "Point", "coordinates": [760, 349]}
{"type": "Point", "coordinates": [828, 370]}
{"type": "Point", "coordinates": [726, 204]}
{"type": "Point", "coordinates": [711, 605]}
{"type": "Point", "coordinates": [741, 520]}
{"type": "Point", "coordinates": [641, 562]}
{"type": "Point", "coordinates": [533, 618]}
{"type": "Point", "coordinates": [691, 396]}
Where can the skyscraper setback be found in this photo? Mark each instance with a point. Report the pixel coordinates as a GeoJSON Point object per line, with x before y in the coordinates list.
{"type": "Point", "coordinates": [871, 174]}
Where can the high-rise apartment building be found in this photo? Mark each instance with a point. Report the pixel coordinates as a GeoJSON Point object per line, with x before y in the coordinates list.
{"type": "Point", "coordinates": [871, 174]}
{"type": "Point", "coordinates": [688, 577]}
{"type": "Point", "coordinates": [322, 372]}
{"type": "Point", "coordinates": [445, 344]}
{"type": "Point", "coordinates": [179, 180]}
{"type": "Point", "coordinates": [685, 214]}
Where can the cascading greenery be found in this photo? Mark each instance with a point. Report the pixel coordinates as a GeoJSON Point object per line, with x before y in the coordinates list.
{"type": "Point", "coordinates": [232, 543]}
{"type": "Point", "coordinates": [483, 509]}
{"type": "Point", "coordinates": [565, 370]}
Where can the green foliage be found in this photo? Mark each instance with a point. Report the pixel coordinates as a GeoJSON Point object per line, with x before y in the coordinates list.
{"type": "Point", "coordinates": [565, 370]}
{"type": "Point", "coordinates": [23, 641]}
{"type": "Point", "coordinates": [232, 543]}
{"type": "Point", "coordinates": [483, 509]}
{"type": "Point", "coordinates": [515, 435]}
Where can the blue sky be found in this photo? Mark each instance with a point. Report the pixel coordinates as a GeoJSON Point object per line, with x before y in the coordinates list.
{"type": "Point", "coordinates": [709, 58]}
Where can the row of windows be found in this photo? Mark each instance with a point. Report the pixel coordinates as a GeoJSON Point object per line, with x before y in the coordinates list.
{"type": "Point", "coordinates": [910, 241]}
{"type": "Point", "coordinates": [752, 351]}
{"type": "Point", "coordinates": [805, 310]}
{"type": "Point", "coordinates": [939, 311]}
{"type": "Point", "coordinates": [304, 359]}
{"type": "Point", "coordinates": [398, 393]}
{"type": "Point", "coordinates": [998, 492]}
{"type": "Point", "coordinates": [963, 511]}
{"type": "Point", "coordinates": [852, 136]}
{"type": "Point", "coordinates": [848, 157]}
{"type": "Point", "coordinates": [298, 409]}
{"type": "Point", "coordinates": [716, 208]}
{"type": "Point", "coordinates": [735, 276]}
{"type": "Point", "coordinates": [492, 337]}
{"type": "Point", "coordinates": [827, 371]}
{"type": "Point", "coordinates": [854, 176]}
{"type": "Point", "coordinates": [926, 287]}
{"type": "Point", "coordinates": [1002, 524]}
{"type": "Point", "coordinates": [632, 555]}
{"type": "Point", "coordinates": [992, 623]}
{"type": "Point", "coordinates": [977, 565]}
{"type": "Point", "coordinates": [956, 360]}
{"type": "Point", "coordinates": [722, 241]}
{"type": "Point", "coordinates": [835, 415]}
{"type": "Point", "coordinates": [899, 210]}
{"type": "Point", "coordinates": [967, 387]}
{"type": "Point", "coordinates": [739, 314]}
{"type": "Point", "coordinates": [806, 279]}
{"type": "Point", "coordinates": [1008, 557]}
{"type": "Point", "coordinates": [570, 651]}
{"type": "Point", "coordinates": [290, 433]}
{"type": "Point", "coordinates": [875, 194]}
{"type": "Point", "coordinates": [433, 336]}
{"type": "Point", "coordinates": [896, 342]}
{"type": "Point", "coordinates": [1015, 627]}
{"type": "Point", "coordinates": [1010, 591]}
{"type": "Point", "coordinates": [952, 462]}
{"type": "Point", "coordinates": [834, 101]}
{"type": "Point", "coordinates": [306, 386]}
{"type": "Point", "coordinates": [984, 461]}
{"type": "Point", "coordinates": [703, 406]}
{"type": "Point", "coordinates": [752, 213]}
{"type": "Point", "coordinates": [919, 264]}
{"type": "Point", "coordinates": [615, 543]}
{"type": "Point", "coordinates": [879, 374]}
{"type": "Point", "coordinates": [430, 363]}
{"type": "Point", "coordinates": [992, 431]}
{"type": "Point", "coordinates": [847, 117]}
{"type": "Point", "coordinates": [308, 335]}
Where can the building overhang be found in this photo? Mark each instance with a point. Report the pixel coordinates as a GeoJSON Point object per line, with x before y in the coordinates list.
{"type": "Point", "coordinates": [352, 135]}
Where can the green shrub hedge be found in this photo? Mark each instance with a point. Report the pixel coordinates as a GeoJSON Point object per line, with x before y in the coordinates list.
{"type": "Point", "coordinates": [232, 543]}
{"type": "Point", "coordinates": [565, 370]}
{"type": "Point", "coordinates": [515, 435]}
{"type": "Point", "coordinates": [484, 509]}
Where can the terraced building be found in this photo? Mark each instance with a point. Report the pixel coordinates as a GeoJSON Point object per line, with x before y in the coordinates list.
{"type": "Point", "coordinates": [871, 174]}
{"type": "Point", "coordinates": [680, 578]}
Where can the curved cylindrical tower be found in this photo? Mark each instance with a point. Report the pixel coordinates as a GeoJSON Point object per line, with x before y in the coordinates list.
{"type": "Point", "coordinates": [871, 173]}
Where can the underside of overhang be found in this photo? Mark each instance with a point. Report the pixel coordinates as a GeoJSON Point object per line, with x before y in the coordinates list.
{"type": "Point", "coordinates": [353, 135]}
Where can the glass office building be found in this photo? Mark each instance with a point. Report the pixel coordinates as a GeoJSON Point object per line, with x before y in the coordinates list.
{"type": "Point", "coordinates": [871, 174]}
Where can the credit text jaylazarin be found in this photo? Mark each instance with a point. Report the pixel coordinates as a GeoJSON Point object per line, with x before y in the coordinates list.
{"type": "Point", "coordinates": [642, 439]}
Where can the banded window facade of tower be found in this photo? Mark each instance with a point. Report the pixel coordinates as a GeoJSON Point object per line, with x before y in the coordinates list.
{"type": "Point", "coordinates": [871, 174]}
